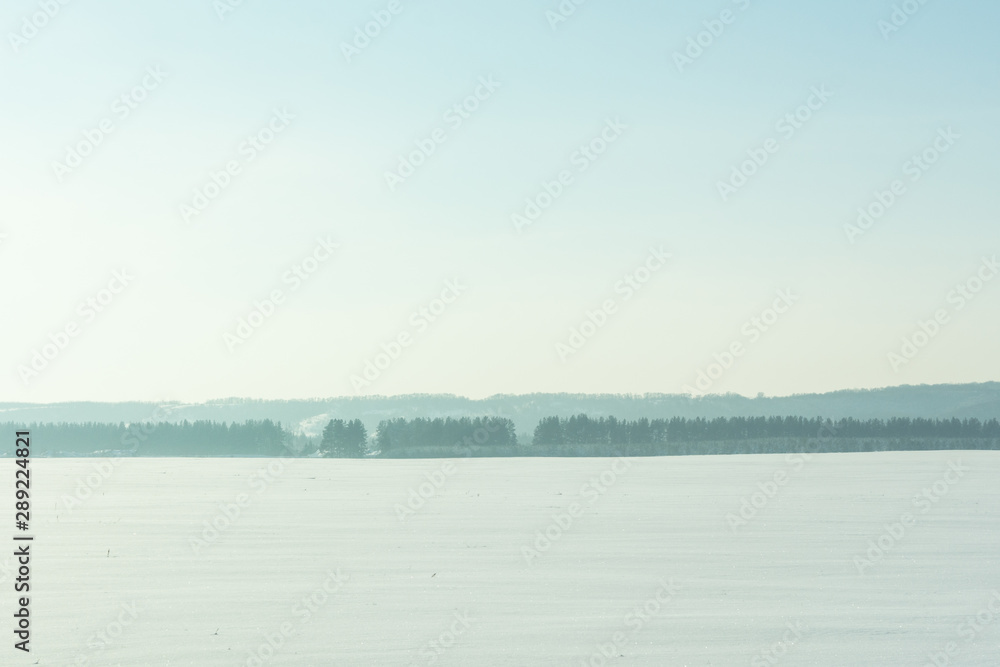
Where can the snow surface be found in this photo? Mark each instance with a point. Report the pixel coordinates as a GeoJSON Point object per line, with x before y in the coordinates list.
{"type": "Point", "coordinates": [116, 579]}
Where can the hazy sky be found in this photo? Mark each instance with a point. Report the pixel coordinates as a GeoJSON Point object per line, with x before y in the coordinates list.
{"type": "Point", "coordinates": [98, 197]}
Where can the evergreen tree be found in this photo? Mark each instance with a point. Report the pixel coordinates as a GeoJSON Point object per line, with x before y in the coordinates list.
{"type": "Point", "coordinates": [355, 439]}
{"type": "Point", "coordinates": [344, 439]}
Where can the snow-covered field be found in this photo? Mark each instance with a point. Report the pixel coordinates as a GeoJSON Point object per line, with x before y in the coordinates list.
{"type": "Point", "coordinates": [740, 560]}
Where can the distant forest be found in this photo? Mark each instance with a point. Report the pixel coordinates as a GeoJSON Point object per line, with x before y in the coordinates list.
{"type": "Point", "coordinates": [585, 430]}
{"type": "Point", "coordinates": [310, 416]}
{"type": "Point", "coordinates": [495, 436]}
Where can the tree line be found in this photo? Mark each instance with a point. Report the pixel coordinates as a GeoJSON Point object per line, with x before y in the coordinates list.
{"type": "Point", "coordinates": [578, 435]}
{"type": "Point", "coordinates": [460, 437]}
{"type": "Point", "coordinates": [584, 430]}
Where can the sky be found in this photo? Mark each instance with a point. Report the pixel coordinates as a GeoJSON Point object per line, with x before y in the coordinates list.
{"type": "Point", "coordinates": [207, 199]}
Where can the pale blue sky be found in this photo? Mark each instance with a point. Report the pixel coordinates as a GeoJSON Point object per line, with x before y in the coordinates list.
{"type": "Point", "coordinates": [163, 336]}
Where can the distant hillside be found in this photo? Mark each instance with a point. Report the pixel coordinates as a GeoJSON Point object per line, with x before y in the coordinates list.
{"type": "Point", "coordinates": [981, 401]}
